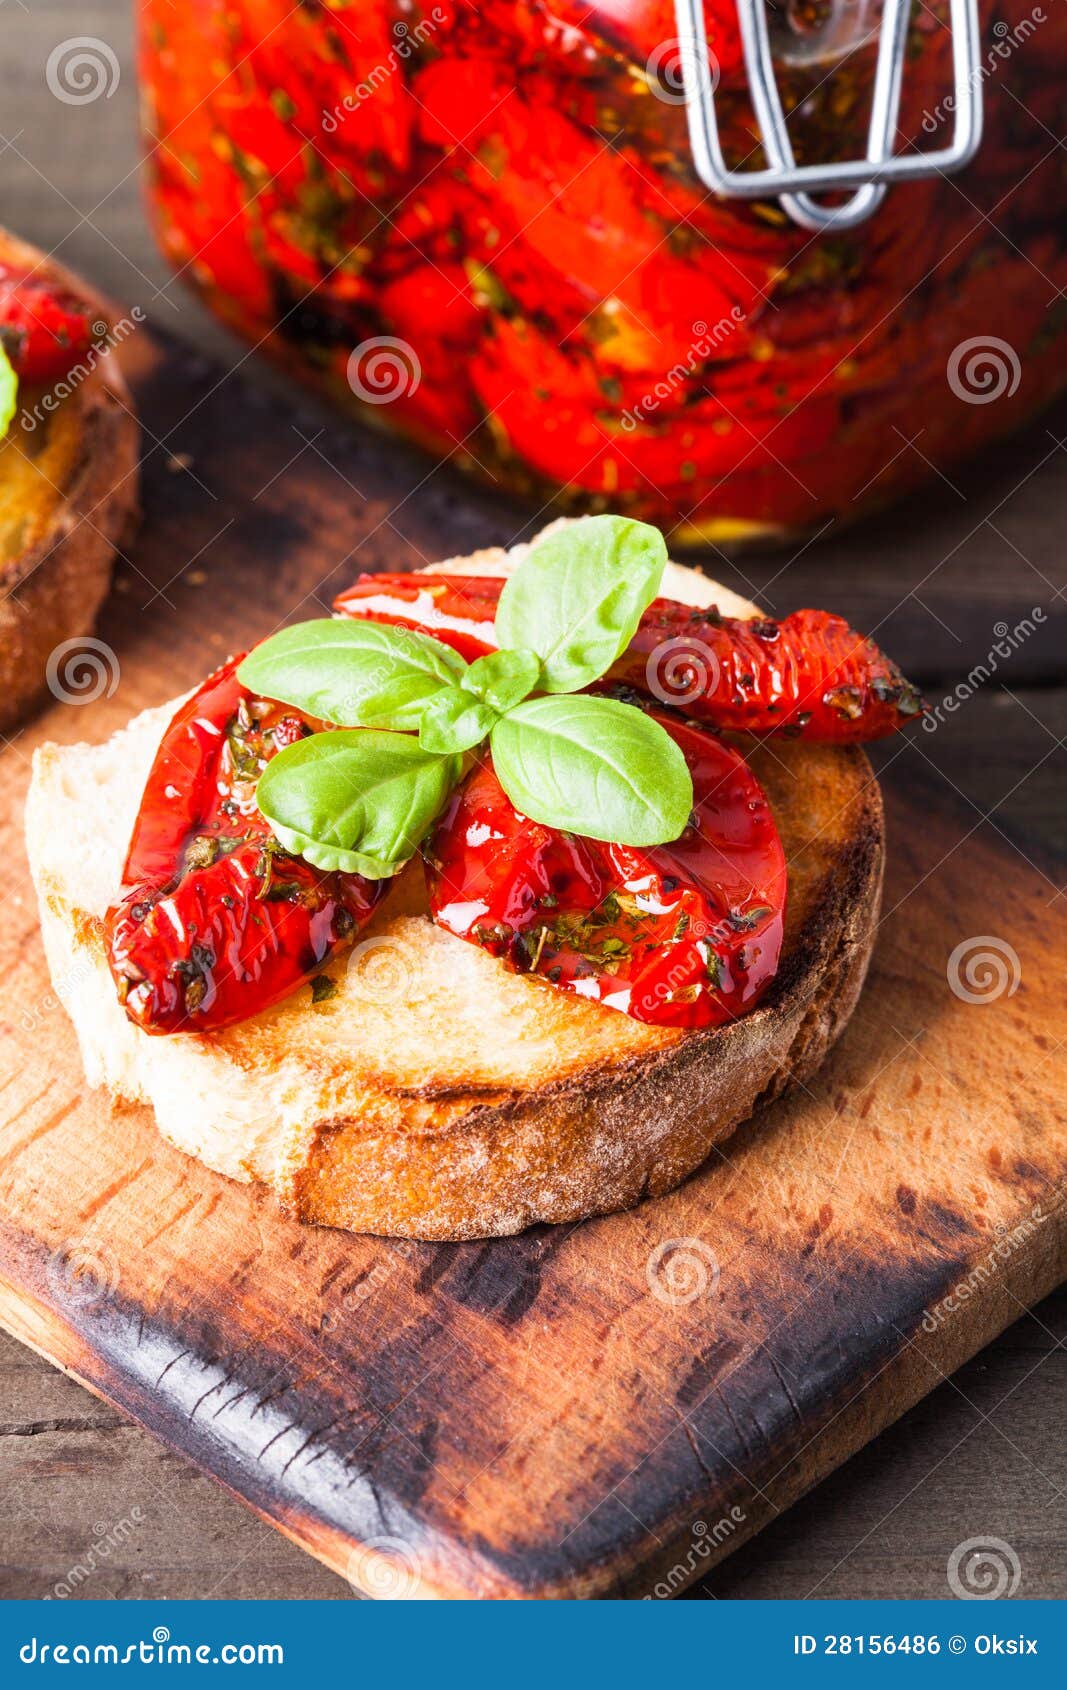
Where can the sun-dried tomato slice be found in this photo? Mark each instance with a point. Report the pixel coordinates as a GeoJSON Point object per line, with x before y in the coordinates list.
{"type": "Point", "coordinates": [683, 935]}
{"type": "Point", "coordinates": [45, 329]}
{"type": "Point", "coordinates": [810, 674]}
{"type": "Point", "coordinates": [215, 922]}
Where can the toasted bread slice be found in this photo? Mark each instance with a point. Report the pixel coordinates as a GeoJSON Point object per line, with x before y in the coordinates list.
{"type": "Point", "coordinates": [68, 494]}
{"type": "Point", "coordinates": [435, 1095]}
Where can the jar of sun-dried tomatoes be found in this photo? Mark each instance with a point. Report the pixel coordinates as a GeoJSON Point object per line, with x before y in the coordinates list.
{"type": "Point", "coordinates": [493, 225]}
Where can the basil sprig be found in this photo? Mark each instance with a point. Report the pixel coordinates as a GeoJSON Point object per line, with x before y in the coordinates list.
{"type": "Point", "coordinates": [357, 674]}
{"type": "Point", "coordinates": [356, 800]}
{"type": "Point", "coordinates": [593, 766]}
{"type": "Point", "coordinates": [363, 800]}
{"type": "Point", "coordinates": [578, 597]}
{"type": "Point", "coordinates": [503, 679]}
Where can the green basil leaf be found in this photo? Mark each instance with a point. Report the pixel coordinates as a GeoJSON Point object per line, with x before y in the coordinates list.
{"type": "Point", "coordinates": [593, 766]}
{"type": "Point", "coordinates": [503, 679]}
{"type": "Point", "coordinates": [454, 721]}
{"type": "Point", "coordinates": [578, 597]}
{"type": "Point", "coordinates": [358, 674]}
{"type": "Point", "coordinates": [9, 392]}
{"type": "Point", "coordinates": [355, 800]}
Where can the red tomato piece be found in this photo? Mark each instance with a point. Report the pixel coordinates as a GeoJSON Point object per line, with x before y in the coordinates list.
{"type": "Point", "coordinates": [810, 675]}
{"type": "Point", "coordinates": [459, 610]}
{"type": "Point", "coordinates": [215, 922]}
{"type": "Point", "coordinates": [684, 935]}
{"type": "Point", "coordinates": [44, 328]}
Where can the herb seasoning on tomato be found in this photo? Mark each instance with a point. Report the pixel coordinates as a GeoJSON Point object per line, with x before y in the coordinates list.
{"type": "Point", "coordinates": [215, 921]}
{"type": "Point", "coordinates": [507, 732]}
{"type": "Point", "coordinates": [809, 675]}
{"type": "Point", "coordinates": [687, 934]}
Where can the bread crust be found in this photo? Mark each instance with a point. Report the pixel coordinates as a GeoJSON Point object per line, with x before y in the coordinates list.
{"type": "Point", "coordinates": [77, 480]}
{"type": "Point", "coordinates": [480, 1102]}
{"type": "Point", "coordinates": [608, 1138]}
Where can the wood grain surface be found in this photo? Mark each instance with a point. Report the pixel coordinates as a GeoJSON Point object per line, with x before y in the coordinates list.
{"type": "Point", "coordinates": [536, 1416]}
{"type": "Point", "coordinates": [93, 1505]}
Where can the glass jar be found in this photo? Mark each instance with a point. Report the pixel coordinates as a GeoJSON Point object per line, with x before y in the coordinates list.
{"type": "Point", "coordinates": [479, 222]}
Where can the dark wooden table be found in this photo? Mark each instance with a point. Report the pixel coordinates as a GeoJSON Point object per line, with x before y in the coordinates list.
{"type": "Point", "coordinates": [90, 1504]}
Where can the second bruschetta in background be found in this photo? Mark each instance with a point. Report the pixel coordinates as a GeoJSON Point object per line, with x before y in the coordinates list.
{"type": "Point", "coordinates": [68, 471]}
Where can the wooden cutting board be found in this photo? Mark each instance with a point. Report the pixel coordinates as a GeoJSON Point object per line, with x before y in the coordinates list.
{"type": "Point", "coordinates": [597, 1410]}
